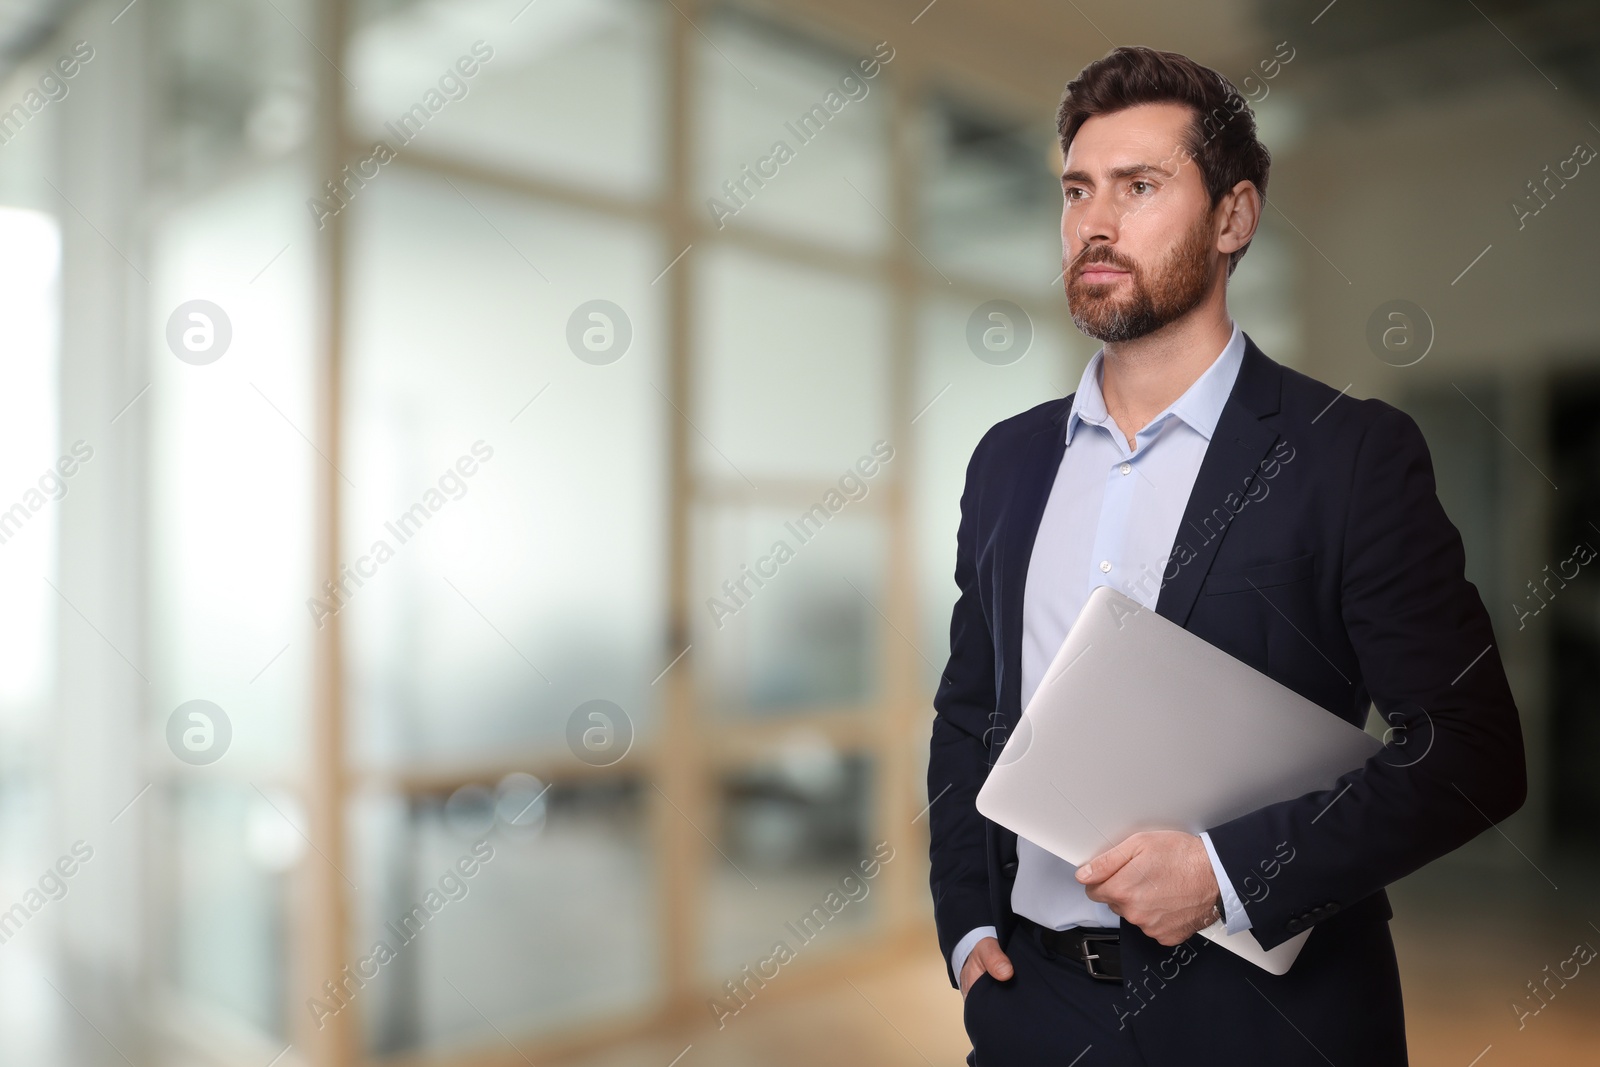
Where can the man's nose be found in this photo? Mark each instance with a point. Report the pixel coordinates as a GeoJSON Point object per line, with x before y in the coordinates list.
{"type": "Point", "coordinates": [1097, 221]}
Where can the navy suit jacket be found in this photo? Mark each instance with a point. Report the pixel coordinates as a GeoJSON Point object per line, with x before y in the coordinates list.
{"type": "Point", "coordinates": [1314, 549]}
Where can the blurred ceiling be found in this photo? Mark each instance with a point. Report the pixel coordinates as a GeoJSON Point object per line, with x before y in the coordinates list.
{"type": "Point", "coordinates": [1351, 58]}
{"type": "Point", "coordinates": [1366, 59]}
{"type": "Point", "coordinates": [1021, 52]}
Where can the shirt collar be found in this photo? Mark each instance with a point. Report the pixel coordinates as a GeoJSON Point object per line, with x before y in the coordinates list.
{"type": "Point", "coordinates": [1200, 406]}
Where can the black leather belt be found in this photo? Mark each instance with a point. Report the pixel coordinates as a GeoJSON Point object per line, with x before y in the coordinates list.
{"type": "Point", "coordinates": [1097, 948]}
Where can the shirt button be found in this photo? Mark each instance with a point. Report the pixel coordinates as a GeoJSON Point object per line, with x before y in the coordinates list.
{"type": "Point", "coordinates": [1105, 565]}
{"type": "Point", "coordinates": [1126, 468]}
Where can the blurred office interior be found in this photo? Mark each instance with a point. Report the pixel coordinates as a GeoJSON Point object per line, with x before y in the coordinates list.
{"type": "Point", "coordinates": [576, 371]}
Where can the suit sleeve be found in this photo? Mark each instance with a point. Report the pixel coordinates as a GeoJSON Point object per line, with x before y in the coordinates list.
{"type": "Point", "coordinates": [958, 755]}
{"type": "Point", "coordinates": [1453, 762]}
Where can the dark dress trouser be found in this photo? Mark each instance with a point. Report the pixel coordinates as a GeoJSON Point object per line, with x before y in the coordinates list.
{"type": "Point", "coordinates": [1339, 1004]}
{"type": "Point", "coordinates": [1049, 1012]}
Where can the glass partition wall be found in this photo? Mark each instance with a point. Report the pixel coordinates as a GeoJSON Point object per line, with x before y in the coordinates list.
{"type": "Point", "coordinates": [556, 423]}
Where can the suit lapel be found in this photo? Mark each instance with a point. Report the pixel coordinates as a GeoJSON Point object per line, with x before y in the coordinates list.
{"type": "Point", "coordinates": [1036, 475]}
{"type": "Point", "coordinates": [1231, 465]}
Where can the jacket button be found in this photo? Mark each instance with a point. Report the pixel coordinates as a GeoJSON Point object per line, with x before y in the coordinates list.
{"type": "Point", "coordinates": [1009, 869]}
{"type": "Point", "coordinates": [1295, 925]}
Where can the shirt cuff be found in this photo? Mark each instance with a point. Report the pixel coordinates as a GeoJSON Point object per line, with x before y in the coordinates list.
{"type": "Point", "coordinates": [1233, 912]}
{"type": "Point", "coordinates": [963, 949]}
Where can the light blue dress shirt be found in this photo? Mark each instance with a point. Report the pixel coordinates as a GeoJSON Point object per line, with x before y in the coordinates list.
{"type": "Point", "coordinates": [1111, 519]}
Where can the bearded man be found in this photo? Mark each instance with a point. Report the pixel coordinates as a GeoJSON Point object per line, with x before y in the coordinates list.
{"type": "Point", "coordinates": [1287, 524]}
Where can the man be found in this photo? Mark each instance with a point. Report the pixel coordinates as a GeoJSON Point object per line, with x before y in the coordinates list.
{"type": "Point", "coordinates": [1291, 526]}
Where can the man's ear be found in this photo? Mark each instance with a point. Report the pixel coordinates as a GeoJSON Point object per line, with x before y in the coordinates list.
{"type": "Point", "coordinates": [1241, 214]}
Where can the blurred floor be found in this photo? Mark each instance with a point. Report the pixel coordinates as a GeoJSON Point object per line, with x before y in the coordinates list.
{"type": "Point", "coordinates": [1469, 944]}
{"type": "Point", "coordinates": [903, 1014]}
{"type": "Point", "coordinates": [1467, 941]}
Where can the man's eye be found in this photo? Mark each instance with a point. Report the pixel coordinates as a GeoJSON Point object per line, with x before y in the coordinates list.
{"type": "Point", "coordinates": [1138, 183]}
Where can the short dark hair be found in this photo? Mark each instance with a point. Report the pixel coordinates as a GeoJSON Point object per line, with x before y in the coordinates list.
{"type": "Point", "coordinates": [1222, 136]}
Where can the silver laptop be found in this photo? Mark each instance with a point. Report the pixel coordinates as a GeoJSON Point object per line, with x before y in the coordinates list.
{"type": "Point", "coordinates": [1182, 737]}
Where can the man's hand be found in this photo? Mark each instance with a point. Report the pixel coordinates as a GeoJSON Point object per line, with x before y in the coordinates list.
{"type": "Point", "coordinates": [1159, 880]}
{"type": "Point", "coordinates": [985, 956]}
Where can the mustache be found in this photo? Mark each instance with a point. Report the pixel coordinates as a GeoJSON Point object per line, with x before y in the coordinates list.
{"type": "Point", "coordinates": [1097, 256]}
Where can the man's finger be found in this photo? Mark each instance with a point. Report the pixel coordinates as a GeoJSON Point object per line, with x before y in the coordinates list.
{"type": "Point", "coordinates": [994, 960]}
{"type": "Point", "coordinates": [985, 958]}
{"type": "Point", "coordinates": [1107, 863]}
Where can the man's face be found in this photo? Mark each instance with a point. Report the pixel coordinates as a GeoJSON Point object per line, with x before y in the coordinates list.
{"type": "Point", "coordinates": [1138, 235]}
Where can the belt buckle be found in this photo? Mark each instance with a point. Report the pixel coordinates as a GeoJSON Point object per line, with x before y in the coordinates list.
{"type": "Point", "coordinates": [1088, 957]}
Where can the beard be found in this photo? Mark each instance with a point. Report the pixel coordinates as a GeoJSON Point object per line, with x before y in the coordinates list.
{"type": "Point", "coordinates": [1149, 303]}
